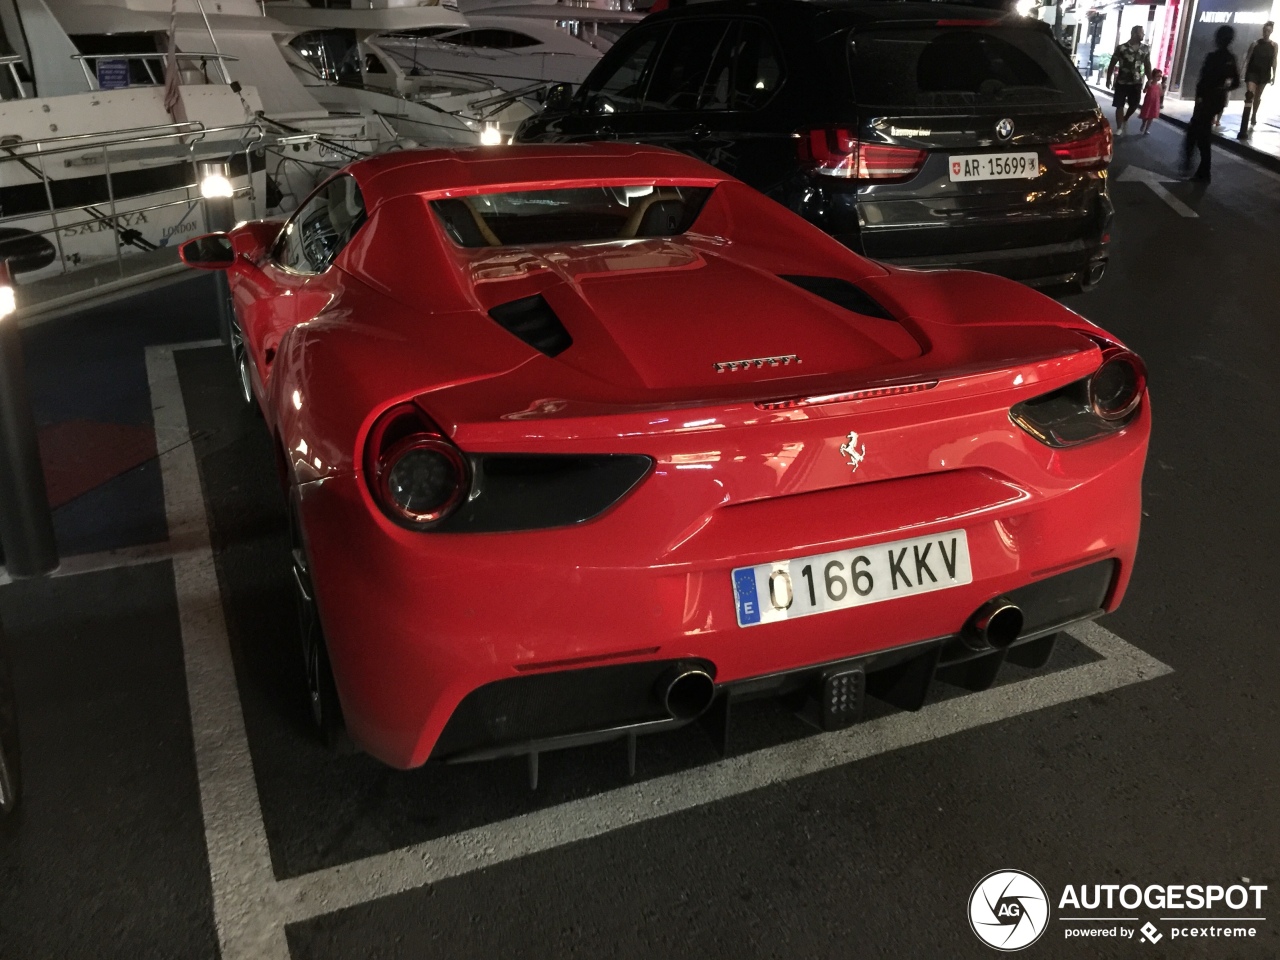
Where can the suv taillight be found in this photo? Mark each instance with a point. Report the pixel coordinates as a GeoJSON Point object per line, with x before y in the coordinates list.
{"type": "Point", "coordinates": [1089, 153]}
{"type": "Point", "coordinates": [838, 153]}
{"type": "Point", "coordinates": [415, 473]}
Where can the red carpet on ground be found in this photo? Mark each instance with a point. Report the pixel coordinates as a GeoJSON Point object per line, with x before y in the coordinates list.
{"type": "Point", "coordinates": [82, 454]}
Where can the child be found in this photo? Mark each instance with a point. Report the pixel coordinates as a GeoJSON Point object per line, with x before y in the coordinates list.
{"type": "Point", "coordinates": [1152, 100]}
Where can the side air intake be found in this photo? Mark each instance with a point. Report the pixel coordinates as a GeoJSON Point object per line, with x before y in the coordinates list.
{"type": "Point", "coordinates": [533, 321]}
{"type": "Point", "coordinates": [842, 293]}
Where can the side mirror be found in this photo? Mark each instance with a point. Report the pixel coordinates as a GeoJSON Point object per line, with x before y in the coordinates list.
{"type": "Point", "coordinates": [559, 98]}
{"type": "Point", "coordinates": [253, 239]}
{"type": "Point", "coordinates": [213, 251]}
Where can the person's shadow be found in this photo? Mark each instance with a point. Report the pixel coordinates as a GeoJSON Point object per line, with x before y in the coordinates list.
{"type": "Point", "coordinates": [1195, 192]}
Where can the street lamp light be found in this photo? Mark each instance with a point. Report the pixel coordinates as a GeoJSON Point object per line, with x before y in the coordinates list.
{"type": "Point", "coordinates": [219, 217]}
{"type": "Point", "coordinates": [215, 181]}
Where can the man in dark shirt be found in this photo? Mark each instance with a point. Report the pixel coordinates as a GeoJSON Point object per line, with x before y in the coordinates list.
{"type": "Point", "coordinates": [1218, 77]}
{"type": "Point", "coordinates": [1259, 70]}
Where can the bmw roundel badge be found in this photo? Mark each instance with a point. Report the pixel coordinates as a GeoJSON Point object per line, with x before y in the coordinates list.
{"type": "Point", "coordinates": [1004, 129]}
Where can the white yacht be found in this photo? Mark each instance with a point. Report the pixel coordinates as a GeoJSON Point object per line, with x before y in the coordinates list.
{"type": "Point", "coordinates": [515, 46]}
{"type": "Point", "coordinates": [248, 56]}
{"type": "Point", "coordinates": [599, 22]}
{"type": "Point", "coordinates": [93, 165]}
{"type": "Point", "coordinates": [333, 54]}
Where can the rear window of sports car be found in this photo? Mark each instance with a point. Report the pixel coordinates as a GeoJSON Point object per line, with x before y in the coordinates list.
{"type": "Point", "coordinates": [569, 215]}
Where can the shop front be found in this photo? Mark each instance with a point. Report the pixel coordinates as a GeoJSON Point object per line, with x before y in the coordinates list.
{"type": "Point", "coordinates": [1195, 38]}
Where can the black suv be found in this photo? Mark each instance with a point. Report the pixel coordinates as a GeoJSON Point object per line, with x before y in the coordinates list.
{"type": "Point", "coordinates": [923, 134]}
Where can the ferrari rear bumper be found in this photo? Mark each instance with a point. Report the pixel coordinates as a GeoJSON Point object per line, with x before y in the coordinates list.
{"type": "Point", "coordinates": [457, 646]}
{"type": "Point", "coordinates": [548, 711]}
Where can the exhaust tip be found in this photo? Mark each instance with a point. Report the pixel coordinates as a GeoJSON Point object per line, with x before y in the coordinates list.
{"type": "Point", "coordinates": [995, 625]}
{"type": "Point", "coordinates": [686, 692]}
{"type": "Point", "coordinates": [1094, 275]}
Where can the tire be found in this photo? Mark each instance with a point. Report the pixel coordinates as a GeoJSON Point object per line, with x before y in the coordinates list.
{"type": "Point", "coordinates": [322, 692]}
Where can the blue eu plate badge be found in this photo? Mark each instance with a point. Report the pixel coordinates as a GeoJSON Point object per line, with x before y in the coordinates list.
{"type": "Point", "coordinates": [744, 591]}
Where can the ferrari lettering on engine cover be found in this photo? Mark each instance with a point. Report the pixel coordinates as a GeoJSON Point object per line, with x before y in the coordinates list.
{"type": "Point", "coordinates": [787, 589]}
{"type": "Point", "coordinates": [755, 363]}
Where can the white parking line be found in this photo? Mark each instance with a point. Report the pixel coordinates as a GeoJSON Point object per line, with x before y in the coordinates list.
{"type": "Point", "coordinates": [239, 861]}
{"type": "Point", "coordinates": [251, 907]}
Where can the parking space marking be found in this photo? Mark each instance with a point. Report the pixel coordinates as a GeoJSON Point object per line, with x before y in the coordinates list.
{"type": "Point", "coordinates": [252, 908]}
{"type": "Point", "coordinates": [243, 885]}
{"type": "Point", "coordinates": [1136, 174]}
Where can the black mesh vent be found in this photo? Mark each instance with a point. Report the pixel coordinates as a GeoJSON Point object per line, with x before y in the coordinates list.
{"type": "Point", "coordinates": [842, 293]}
{"type": "Point", "coordinates": [558, 704]}
{"type": "Point", "coordinates": [533, 321]}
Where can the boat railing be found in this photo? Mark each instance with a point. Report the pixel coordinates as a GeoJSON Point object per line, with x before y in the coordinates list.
{"type": "Point", "coordinates": [191, 143]}
{"type": "Point", "coordinates": [11, 62]}
{"type": "Point", "coordinates": [501, 100]}
{"type": "Point", "coordinates": [164, 130]}
{"type": "Point", "coordinates": [152, 64]}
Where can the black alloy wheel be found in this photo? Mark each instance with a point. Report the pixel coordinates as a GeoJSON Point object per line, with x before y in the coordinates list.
{"type": "Point", "coordinates": [240, 357]}
{"type": "Point", "coordinates": [322, 692]}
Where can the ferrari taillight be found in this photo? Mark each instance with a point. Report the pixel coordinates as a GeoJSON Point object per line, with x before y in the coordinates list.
{"type": "Point", "coordinates": [1088, 153]}
{"type": "Point", "coordinates": [1098, 405]}
{"type": "Point", "coordinates": [838, 153]}
{"type": "Point", "coordinates": [415, 473]}
{"type": "Point", "coordinates": [1116, 387]}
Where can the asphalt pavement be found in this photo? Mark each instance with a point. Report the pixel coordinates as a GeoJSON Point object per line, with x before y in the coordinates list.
{"type": "Point", "coordinates": [1146, 755]}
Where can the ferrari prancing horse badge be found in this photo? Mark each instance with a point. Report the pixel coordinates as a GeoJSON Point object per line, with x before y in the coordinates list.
{"type": "Point", "coordinates": [854, 451]}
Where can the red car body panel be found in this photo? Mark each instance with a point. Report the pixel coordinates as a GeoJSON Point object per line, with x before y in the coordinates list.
{"type": "Point", "coordinates": [415, 621]}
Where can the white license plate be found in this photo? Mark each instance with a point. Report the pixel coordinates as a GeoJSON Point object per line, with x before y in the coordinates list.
{"type": "Point", "coordinates": [995, 166]}
{"type": "Point", "coordinates": [770, 592]}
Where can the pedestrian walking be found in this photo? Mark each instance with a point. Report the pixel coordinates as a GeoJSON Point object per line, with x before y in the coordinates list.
{"type": "Point", "coordinates": [1152, 100]}
{"type": "Point", "coordinates": [1130, 65]}
{"type": "Point", "coordinates": [1219, 75]}
{"type": "Point", "coordinates": [1259, 70]}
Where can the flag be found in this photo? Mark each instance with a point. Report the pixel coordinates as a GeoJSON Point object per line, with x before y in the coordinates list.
{"type": "Point", "coordinates": [172, 80]}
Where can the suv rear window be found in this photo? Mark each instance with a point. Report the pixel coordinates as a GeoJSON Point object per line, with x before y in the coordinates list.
{"type": "Point", "coordinates": [963, 66]}
{"type": "Point", "coordinates": [569, 215]}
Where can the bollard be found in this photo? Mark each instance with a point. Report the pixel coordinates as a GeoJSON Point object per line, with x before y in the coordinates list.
{"type": "Point", "coordinates": [219, 217]}
{"type": "Point", "coordinates": [26, 521]}
{"type": "Point", "coordinates": [10, 760]}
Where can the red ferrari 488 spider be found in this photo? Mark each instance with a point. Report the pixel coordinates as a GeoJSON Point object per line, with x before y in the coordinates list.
{"type": "Point", "coordinates": [583, 442]}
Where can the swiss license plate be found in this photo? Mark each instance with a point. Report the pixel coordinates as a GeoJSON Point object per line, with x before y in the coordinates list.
{"type": "Point", "coordinates": [769, 592]}
{"type": "Point", "coordinates": [995, 166]}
